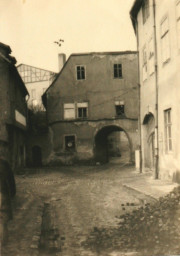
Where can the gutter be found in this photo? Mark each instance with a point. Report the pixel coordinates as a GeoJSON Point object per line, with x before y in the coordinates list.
{"type": "Point", "coordinates": [139, 121]}
{"type": "Point", "coordinates": [157, 96]}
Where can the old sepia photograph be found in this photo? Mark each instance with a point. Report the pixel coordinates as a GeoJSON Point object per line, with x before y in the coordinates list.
{"type": "Point", "coordinates": [90, 128]}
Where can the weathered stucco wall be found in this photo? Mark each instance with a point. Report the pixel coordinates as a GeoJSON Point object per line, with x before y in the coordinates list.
{"type": "Point", "coordinates": [100, 89]}
{"type": "Point", "coordinates": [168, 84]}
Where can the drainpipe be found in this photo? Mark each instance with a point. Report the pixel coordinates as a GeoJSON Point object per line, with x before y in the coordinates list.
{"type": "Point", "coordinates": [139, 95]}
{"type": "Point", "coordinates": [156, 104]}
{"type": "Point", "coordinates": [139, 91]}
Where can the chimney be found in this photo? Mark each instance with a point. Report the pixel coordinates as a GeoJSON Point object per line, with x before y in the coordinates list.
{"type": "Point", "coordinates": [61, 60]}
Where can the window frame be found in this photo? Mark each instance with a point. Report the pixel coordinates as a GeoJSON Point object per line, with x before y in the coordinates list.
{"type": "Point", "coordinates": [118, 70]}
{"type": "Point", "coordinates": [164, 38]}
{"type": "Point", "coordinates": [168, 130]}
{"type": "Point", "coordinates": [178, 23]}
{"type": "Point", "coordinates": [81, 66]}
{"type": "Point", "coordinates": [144, 63]}
{"type": "Point", "coordinates": [151, 55]}
{"type": "Point", "coordinates": [82, 105]}
{"type": "Point", "coordinates": [75, 141]}
{"type": "Point", "coordinates": [70, 118]}
{"type": "Point", "coordinates": [119, 103]}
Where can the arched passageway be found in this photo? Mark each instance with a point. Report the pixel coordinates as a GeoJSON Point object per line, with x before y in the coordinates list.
{"type": "Point", "coordinates": [149, 141]}
{"type": "Point", "coordinates": [112, 145]}
{"type": "Point", "coordinates": [36, 156]}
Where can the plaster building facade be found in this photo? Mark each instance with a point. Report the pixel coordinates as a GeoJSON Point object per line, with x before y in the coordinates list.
{"type": "Point", "coordinates": [157, 28]}
{"type": "Point", "coordinates": [13, 110]}
{"type": "Point", "coordinates": [94, 96]}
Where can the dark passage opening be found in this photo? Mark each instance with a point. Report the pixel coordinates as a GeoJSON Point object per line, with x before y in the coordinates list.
{"type": "Point", "coordinates": [112, 145]}
{"type": "Point", "coordinates": [37, 156]}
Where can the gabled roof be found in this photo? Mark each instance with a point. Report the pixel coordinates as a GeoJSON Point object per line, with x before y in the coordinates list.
{"type": "Point", "coordinates": [134, 11]}
{"type": "Point", "coordinates": [22, 64]}
{"type": "Point", "coordinates": [83, 54]}
{"type": "Point", "coordinates": [32, 74]}
{"type": "Point", "coordinates": [12, 61]}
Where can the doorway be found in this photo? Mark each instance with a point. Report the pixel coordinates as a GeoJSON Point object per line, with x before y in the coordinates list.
{"type": "Point", "coordinates": [37, 156]}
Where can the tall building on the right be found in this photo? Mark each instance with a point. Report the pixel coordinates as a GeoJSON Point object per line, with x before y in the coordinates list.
{"type": "Point", "coordinates": [157, 28]}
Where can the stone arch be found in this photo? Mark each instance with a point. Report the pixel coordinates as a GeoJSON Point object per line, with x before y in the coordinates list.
{"type": "Point", "coordinates": [100, 142]}
{"type": "Point", "coordinates": [149, 140]}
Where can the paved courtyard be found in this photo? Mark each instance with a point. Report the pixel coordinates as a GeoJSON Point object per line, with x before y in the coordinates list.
{"type": "Point", "coordinates": [56, 210]}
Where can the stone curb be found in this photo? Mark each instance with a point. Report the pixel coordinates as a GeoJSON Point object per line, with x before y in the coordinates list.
{"type": "Point", "coordinates": [140, 192]}
{"type": "Point", "coordinates": [37, 235]}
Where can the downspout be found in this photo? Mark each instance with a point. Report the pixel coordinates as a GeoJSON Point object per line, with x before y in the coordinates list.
{"type": "Point", "coordinates": [157, 91]}
{"type": "Point", "coordinates": [139, 91]}
{"type": "Point", "coordinates": [139, 94]}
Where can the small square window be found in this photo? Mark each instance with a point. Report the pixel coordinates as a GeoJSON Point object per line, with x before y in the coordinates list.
{"type": "Point", "coordinates": [117, 70]}
{"type": "Point", "coordinates": [82, 110]}
{"type": "Point", "coordinates": [80, 72]}
{"type": "Point", "coordinates": [70, 143]}
{"type": "Point", "coordinates": [119, 106]}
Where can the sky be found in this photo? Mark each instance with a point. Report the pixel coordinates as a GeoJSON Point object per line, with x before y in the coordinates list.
{"type": "Point", "coordinates": [30, 28]}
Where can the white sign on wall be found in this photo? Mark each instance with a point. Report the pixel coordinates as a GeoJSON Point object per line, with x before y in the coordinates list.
{"type": "Point", "coordinates": [20, 118]}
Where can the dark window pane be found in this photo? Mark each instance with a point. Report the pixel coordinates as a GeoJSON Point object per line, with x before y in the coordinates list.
{"type": "Point", "coordinates": [120, 110]}
{"type": "Point", "coordinates": [82, 112]}
{"type": "Point", "coordinates": [70, 143]}
{"type": "Point", "coordinates": [117, 70]}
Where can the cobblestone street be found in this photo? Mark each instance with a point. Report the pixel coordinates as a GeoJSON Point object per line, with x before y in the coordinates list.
{"type": "Point", "coordinates": [55, 211]}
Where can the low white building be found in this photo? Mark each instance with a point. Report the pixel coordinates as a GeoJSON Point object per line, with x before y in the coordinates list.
{"type": "Point", "coordinates": [157, 27]}
{"type": "Point", "coordinates": [37, 80]}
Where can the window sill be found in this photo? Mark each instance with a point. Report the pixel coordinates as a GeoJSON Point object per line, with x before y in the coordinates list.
{"type": "Point", "coordinates": [166, 62]}
{"type": "Point", "coordinates": [120, 117]}
{"type": "Point", "coordinates": [169, 153]}
{"type": "Point", "coordinates": [80, 79]}
{"type": "Point", "coordinates": [118, 78]}
{"type": "Point", "coordinates": [81, 118]}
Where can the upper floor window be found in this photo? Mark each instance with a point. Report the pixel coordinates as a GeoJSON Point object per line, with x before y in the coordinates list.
{"type": "Point", "coordinates": [80, 72]}
{"type": "Point", "coordinates": [151, 56]}
{"type": "Point", "coordinates": [145, 10]}
{"type": "Point", "coordinates": [165, 45]}
{"type": "Point", "coordinates": [168, 130]}
{"type": "Point", "coordinates": [117, 70]}
{"type": "Point", "coordinates": [178, 21]}
{"type": "Point", "coordinates": [82, 110]}
{"type": "Point", "coordinates": [144, 62]}
{"type": "Point", "coordinates": [69, 111]}
{"type": "Point", "coordinates": [119, 106]}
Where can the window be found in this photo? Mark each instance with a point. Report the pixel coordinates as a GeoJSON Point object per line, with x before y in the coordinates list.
{"type": "Point", "coordinates": [165, 40]}
{"type": "Point", "coordinates": [168, 130]}
{"type": "Point", "coordinates": [80, 72]}
{"type": "Point", "coordinates": [144, 55]}
{"type": "Point", "coordinates": [82, 110]}
{"type": "Point", "coordinates": [70, 143]}
{"type": "Point", "coordinates": [69, 111]}
{"type": "Point", "coordinates": [178, 22]}
{"type": "Point", "coordinates": [151, 56]}
{"type": "Point", "coordinates": [117, 70]}
{"type": "Point", "coordinates": [119, 106]}
{"type": "Point", "coordinates": [33, 94]}
{"type": "Point", "coordinates": [145, 10]}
